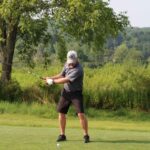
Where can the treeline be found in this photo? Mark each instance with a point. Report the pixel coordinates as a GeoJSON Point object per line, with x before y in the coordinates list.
{"type": "Point", "coordinates": [134, 44]}
{"type": "Point", "coordinates": [116, 75]}
{"type": "Point", "coordinates": [134, 38]}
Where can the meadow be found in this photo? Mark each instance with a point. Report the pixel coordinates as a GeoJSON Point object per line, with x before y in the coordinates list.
{"type": "Point", "coordinates": [116, 106]}
{"type": "Point", "coordinates": [113, 86]}
{"type": "Point", "coordinates": [26, 132]}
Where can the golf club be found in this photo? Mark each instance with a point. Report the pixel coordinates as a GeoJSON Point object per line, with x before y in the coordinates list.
{"type": "Point", "coordinates": [29, 72]}
{"type": "Point", "coordinates": [36, 75]}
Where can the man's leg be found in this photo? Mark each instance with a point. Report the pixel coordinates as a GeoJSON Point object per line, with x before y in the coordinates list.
{"type": "Point", "coordinates": [62, 123]}
{"type": "Point", "coordinates": [62, 126]}
{"type": "Point", "coordinates": [62, 108]}
{"type": "Point", "coordinates": [77, 101]}
{"type": "Point", "coordinates": [84, 123]}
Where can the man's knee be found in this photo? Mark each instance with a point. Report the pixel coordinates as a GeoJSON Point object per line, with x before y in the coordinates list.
{"type": "Point", "coordinates": [81, 116]}
{"type": "Point", "coordinates": [62, 116]}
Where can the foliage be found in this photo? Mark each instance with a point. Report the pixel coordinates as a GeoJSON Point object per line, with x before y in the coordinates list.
{"type": "Point", "coordinates": [135, 39]}
{"type": "Point", "coordinates": [123, 48]}
{"type": "Point", "coordinates": [10, 91]}
{"type": "Point", "coordinates": [26, 15]}
{"type": "Point", "coordinates": [120, 53]}
{"type": "Point", "coordinates": [26, 19]}
{"type": "Point", "coordinates": [112, 86]}
{"type": "Point", "coordinates": [41, 93]}
{"type": "Point", "coordinates": [61, 50]}
{"type": "Point", "coordinates": [48, 111]}
{"type": "Point", "coordinates": [88, 21]}
{"type": "Point", "coordinates": [26, 53]}
{"type": "Point", "coordinates": [124, 54]}
{"type": "Point", "coordinates": [117, 86]}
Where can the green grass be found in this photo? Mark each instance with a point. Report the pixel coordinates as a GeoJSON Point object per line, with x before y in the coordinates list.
{"type": "Point", "coordinates": [34, 121]}
{"type": "Point", "coordinates": [35, 127]}
{"type": "Point", "coordinates": [49, 111]}
{"type": "Point", "coordinates": [112, 86]}
{"type": "Point", "coordinates": [28, 77]}
{"type": "Point", "coordinates": [27, 132]}
{"type": "Point", "coordinates": [38, 138]}
{"type": "Point", "coordinates": [36, 109]}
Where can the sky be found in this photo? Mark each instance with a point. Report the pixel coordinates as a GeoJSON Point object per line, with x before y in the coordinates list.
{"type": "Point", "coordinates": [138, 11]}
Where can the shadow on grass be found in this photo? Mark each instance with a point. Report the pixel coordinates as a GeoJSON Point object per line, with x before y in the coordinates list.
{"type": "Point", "coordinates": [75, 140]}
{"type": "Point", "coordinates": [115, 142]}
{"type": "Point", "coordinates": [122, 141]}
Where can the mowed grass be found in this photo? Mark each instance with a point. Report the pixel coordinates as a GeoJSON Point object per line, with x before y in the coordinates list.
{"type": "Point", "coordinates": [19, 130]}
{"type": "Point", "coordinates": [44, 138]}
{"type": "Point", "coordinates": [26, 132]}
{"type": "Point", "coordinates": [73, 122]}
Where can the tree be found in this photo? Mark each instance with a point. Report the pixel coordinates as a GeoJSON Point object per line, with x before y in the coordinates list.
{"type": "Point", "coordinates": [134, 55]}
{"type": "Point", "coordinates": [61, 49]}
{"type": "Point", "coordinates": [90, 21]}
{"type": "Point", "coordinates": [120, 53]}
{"type": "Point", "coordinates": [19, 18]}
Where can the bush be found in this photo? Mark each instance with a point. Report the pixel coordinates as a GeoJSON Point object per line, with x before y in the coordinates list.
{"type": "Point", "coordinates": [113, 86]}
{"type": "Point", "coordinates": [10, 91]}
{"type": "Point", "coordinates": [41, 93]}
{"type": "Point", "coordinates": [116, 86]}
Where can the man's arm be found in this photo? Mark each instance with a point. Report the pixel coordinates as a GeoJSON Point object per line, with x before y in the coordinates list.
{"type": "Point", "coordinates": [54, 77]}
{"type": "Point", "coordinates": [61, 80]}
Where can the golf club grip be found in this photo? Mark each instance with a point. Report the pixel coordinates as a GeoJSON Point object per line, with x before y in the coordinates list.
{"type": "Point", "coordinates": [42, 78]}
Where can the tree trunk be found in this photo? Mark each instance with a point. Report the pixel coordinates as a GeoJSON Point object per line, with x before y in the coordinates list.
{"type": "Point", "coordinates": [8, 52]}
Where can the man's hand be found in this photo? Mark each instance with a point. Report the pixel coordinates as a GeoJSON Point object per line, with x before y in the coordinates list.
{"type": "Point", "coordinates": [49, 81]}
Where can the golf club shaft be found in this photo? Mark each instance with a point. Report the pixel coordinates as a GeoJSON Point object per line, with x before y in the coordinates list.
{"type": "Point", "coordinates": [38, 76]}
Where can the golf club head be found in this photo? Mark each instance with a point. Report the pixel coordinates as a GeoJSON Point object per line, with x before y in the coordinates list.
{"type": "Point", "coordinates": [42, 78]}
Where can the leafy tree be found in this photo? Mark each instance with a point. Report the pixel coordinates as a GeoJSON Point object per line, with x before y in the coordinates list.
{"type": "Point", "coordinates": [90, 21]}
{"type": "Point", "coordinates": [19, 18]}
{"type": "Point", "coordinates": [61, 49]}
{"type": "Point", "coordinates": [134, 55]}
{"type": "Point", "coordinates": [120, 53]}
{"type": "Point", "coordinates": [124, 54]}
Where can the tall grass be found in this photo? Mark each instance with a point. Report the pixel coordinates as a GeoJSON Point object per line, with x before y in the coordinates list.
{"type": "Point", "coordinates": [35, 109]}
{"type": "Point", "coordinates": [118, 86]}
{"type": "Point", "coordinates": [112, 86]}
{"type": "Point", "coordinates": [49, 111]}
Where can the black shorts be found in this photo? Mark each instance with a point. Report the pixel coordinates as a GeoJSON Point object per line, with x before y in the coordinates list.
{"type": "Point", "coordinates": [68, 98]}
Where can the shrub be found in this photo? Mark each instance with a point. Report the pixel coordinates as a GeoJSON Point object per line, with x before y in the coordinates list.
{"type": "Point", "coordinates": [10, 91]}
{"type": "Point", "coordinates": [118, 86]}
{"type": "Point", "coordinates": [41, 93]}
{"type": "Point", "coordinates": [113, 86]}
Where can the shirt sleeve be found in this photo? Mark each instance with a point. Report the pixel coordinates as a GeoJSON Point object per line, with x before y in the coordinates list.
{"type": "Point", "coordinates": [63, 72]}
{"type": "Point", "coordinates": [74, 75]}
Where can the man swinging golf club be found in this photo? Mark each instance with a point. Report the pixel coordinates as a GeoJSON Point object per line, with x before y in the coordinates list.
{"type": "Point", "coordinates": [72, 78]}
